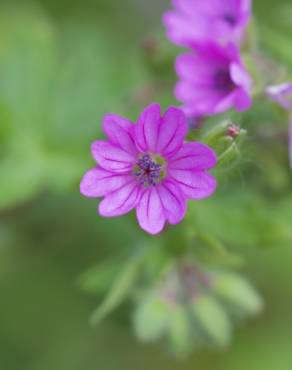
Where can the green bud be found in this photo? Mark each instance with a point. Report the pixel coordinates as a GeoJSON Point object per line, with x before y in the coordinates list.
{"type": "Point", "coordinates": [213, 321]}
{"type": "Point", "coordinates": [226, 139]}
{"type": "Point", "coordinates": [239, 293]}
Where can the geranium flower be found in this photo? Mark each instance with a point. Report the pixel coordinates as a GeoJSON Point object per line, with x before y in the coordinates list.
{"type": "Point", "coordinates": [212, 80]}
{"type": "Point", "coordinates": [148, 166]}
{"type": "Point", "coordinates": [221, 21]}
{"type": "Point", "coordinates": [281, 94]}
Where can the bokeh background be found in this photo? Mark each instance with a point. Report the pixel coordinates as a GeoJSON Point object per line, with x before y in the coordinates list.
{"type": "Point", "coordinates": [63, 64]}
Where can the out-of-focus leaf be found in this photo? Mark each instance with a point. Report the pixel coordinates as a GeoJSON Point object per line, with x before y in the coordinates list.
{"type": "Point", "coordinates": [120, 289]}
{"type": "Point", "coordinates": [181, 333]}
{"type": "Point", "coordinates": [213, 321]}
{"type": "Point", "coordinates": [151, 318]}
{"type": "Point", "coordinates": [239, 293]}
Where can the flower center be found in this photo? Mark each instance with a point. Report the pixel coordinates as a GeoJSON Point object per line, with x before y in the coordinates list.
{"type": "Point", "coordinates": [222, 80]}
{"type": "Point", "coordinates": [230, 19]}
{"type": "Point", "coordinates": [148, 171]}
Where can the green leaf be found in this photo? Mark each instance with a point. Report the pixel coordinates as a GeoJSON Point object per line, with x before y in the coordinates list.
{"type": "Point", "coordinates": [180, 331]}
{"type": "Point", "coordinates": [151, 318]}
{"type": "Point", "coordinates": [120, 288]}
{"type": "Point", "coordinates": [213, 321]}
{"type": "Point", "coordinates": [239, 293]}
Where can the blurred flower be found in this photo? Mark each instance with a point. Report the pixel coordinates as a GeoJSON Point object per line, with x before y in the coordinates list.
{"type": "Point", "coordinates": [281, 94]}
{"type": "Point", "coordinates": [148, 166]}
{"type": "Point", "coordinates": [212, 80]}
{"type": "Point", "coordinates": [290, 142]}
{"type": "Point", "coordinates": [205, 20]}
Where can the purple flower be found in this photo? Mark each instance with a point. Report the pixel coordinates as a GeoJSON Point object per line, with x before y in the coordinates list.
{"type": "Point", "coordinates": [221, 21]}
{"type": "Point", "coordinates": [212, 80]}
{"type": "Point", "coordinates": [281, 94]}
{"type": "Point", "coordinates": [148, 166]}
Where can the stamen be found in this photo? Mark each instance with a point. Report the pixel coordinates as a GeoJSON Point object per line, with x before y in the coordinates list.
{"type": "Point", "coordinates": [148, 171]}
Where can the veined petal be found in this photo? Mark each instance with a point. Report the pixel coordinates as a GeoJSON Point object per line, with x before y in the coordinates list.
{"type": "Point", "coordinates": [194, 184]}
{"type": "Point", "coordinates": [172, 131]}
{"type": "Point", "coordinates": [98, 182]}
{"type": "Point", "coordinates": [111, 157]}
{"type": "Point", "coordinates": [173, 201]}
{"type": "Point", "coordinates": [120, 201]}
{"type": "Point", "coordinates": [147, 127]}
{"type": "Point", "coordinates": [120, 132]}
{"type": "Point", "coordinates": [193, 156]}
{"type": "Point", "coordinates": [150, 212]}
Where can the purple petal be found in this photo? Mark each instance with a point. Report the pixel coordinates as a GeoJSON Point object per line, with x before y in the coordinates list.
{"type": "Point", "coordinates": [193, 156]}
{"type": "Point", "coordinates": [172, 131]}
{"type": "Point", "coordinates": [150, 213]}
{"type": "Point", "coordinates": [120, 132]}
{"type": "Point", "coordinates": [98, 182]}
{"type": "Point", "coordinates": [290, 142]}
{"type": "Point", "coordinates": [111, 157]}
{"type": "Point", "coordinates": [194, 184]}
{"type": "Point", "coordinates": [146, 129]}
{"type": "Point", "coordinates": [122, 200]}
{"type": "Point", "coordinates": [240, 77]}
{"type": "Point", "coordinates": [196, 100]}
{"type": "Point", "coordinates": [242, 100]}
{"type": "Point", "coordinates": [281, 94]}
{"type": "Point", "coordinates": [173, 201]}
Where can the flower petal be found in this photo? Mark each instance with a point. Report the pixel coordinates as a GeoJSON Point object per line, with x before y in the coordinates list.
{"type": "Point", "coordinates": [111, 157]}
{"type": "Point", "coordinates": [242, 100]}
{"type": "Point", "coordinates": [150, 212]}
{"type": "Point", "coordinates": [146, 129]}
{"type": "Point", "coordinates": [194, 184]}
{"type": "Point", "coordinates": [173, 129]}
{"type": "Point", "coordinates": [120, 132]}
{"type": "Point", "coordinates": [173, 201]}
{"type": "Point", "coordinates": [193, 156]}
{"type": "Point", "coordinates": [240, 76]}
{"type": "Point", "coordinates": [98, 182]}
{"type": "Point", "coordinates": [120, 201]}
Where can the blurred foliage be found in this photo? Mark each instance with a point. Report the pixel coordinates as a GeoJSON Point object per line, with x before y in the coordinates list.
{"type": "Point", "coordinates": [63, 64]}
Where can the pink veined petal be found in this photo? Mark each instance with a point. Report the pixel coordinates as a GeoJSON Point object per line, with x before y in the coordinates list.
{"type": "Point", "coordinates": [120, 132]}
{"type": "Point", "coordinates": [173, 201]}
{"type": "Point", "coordinates": [193, 156]}
{"type": "Point", "coordinates": [172, 131]}
{"type": "Point", "coordinates": [146, 129]}
{"type": "Point", "coordinates": [242, 100]}
{"type": "Point", "coordinates": [150, 212]}
{"type": "Point", "coordinates": [120, 201]}
{"type": "Point", "coordinates": [98, 182]}
{"type": "Point", "coordinates": [194, 184]}
{"type": "Point", "coordinates": [111, 157]}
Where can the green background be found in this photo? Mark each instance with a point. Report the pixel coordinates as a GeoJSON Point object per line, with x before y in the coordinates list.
{"type": "Point", "coordinates": [63, 64]}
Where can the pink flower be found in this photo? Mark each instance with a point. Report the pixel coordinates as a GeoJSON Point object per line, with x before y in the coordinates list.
{"type": "Point", "coordinates": [148, 166]}
{"type": "Point", "coordinates": [212, 80]}
{"type": "Point", "coordinates": [221, 21]}
{"type": "Point", "coordinates": [281, 94]}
